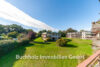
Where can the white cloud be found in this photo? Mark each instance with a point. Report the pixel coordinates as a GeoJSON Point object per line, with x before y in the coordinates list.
{"type": "Point", "coordinates": [10, 12]}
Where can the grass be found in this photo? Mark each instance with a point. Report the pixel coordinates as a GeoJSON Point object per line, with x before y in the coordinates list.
{"type": "Point", "coordinates": [75, 47]}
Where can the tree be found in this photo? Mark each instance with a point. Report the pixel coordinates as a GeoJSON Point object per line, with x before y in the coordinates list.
{"type": "Point", "coordinates": [49, 31]}
{"type": "Point", "coordinates": [63, 33]}
{"type": "Point", "coordinates": [21, 36]}
{"type": "Point", "coordinates": [31, 35]}
{"type": "Point", "coordinates": [71, 30]}
{"type": "Point", "coordinates": [17, 28]}
{"type": "Point", "coordinates": [2, 29]}
{"type": "Point", "coordinates": [82, 30]}
{"type": "Point", "coordinates": [13, 34]}
{"type": "Point", "coordinates": [40, 33]}
{"type": "Point", "coordinates": [28, 30]}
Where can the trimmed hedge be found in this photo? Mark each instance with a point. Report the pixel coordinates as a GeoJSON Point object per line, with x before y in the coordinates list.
{"type": "Point", "coordinates": [7, 46]}
{"type": "Point", "coordinates": [23, 42]}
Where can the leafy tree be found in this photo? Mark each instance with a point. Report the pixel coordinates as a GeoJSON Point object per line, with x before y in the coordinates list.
{"type": "Point", "coordinates": [63, 33]}
{"type": "Point", "coordinates": [71, 30]}
{"type": "Point", "coordinates": [49, 31]}
{"type": "Point", "coordinates": [40, 33]}
{"type": "Point", "coordinates": [28, 30]}
{"type": "Point", "coordinates": [21, 36]}
{"type": "Point", "coordinates": [82, 30]}
{"type": "Point", "coordinates": [31, 35]}
{"type": "Point", "coordinates": [11, 28]}
{"type": "Point", "coordinates": [13, 34]}
{"type": "Point", "coordinates": [17, 28]}
{"type": "Point", "coordinates": [2, 29]}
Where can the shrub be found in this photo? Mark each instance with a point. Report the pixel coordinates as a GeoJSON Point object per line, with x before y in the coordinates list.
{"type": "Point", "coordinates": [61, 42]}
{"type": "Point", "coordinates": [7, 46]}
{"type": "Point", "coordinates": [23, 42]}
{"type": "Point", "coordinates": [21, 35]}
{"type": "Point", "coordinates": [13, 34]}
{"type": "Point", "coordinates": [31, 35]}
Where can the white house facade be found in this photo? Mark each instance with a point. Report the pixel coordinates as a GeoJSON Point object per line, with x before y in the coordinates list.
{"type": "Point", "coordinates": [52, 36]}
{"type": "Point", "coordinates": [86, 35]}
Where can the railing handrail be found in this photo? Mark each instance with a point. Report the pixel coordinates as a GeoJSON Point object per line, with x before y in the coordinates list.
{"type": "Point", "coordinates": [89, 60]}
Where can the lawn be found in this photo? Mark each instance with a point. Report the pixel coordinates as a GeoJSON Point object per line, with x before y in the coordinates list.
{"type": "Point", "coordinates": [75, 47]}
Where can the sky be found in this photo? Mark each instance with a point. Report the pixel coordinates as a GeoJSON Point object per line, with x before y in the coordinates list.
{"type": "Point", "coordinates": [53, 14]}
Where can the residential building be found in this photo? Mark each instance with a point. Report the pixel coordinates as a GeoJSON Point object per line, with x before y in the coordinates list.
{"type": "Point", "coordinates": [52, 36]}
{"type": "Point", "coordinates": [96, 29]}
{"type": "Point", "coordinates": [73, 35]}
{"type": "Point", "coordinates": [86, 35]}
{"type": "Point", "coordinates": [81, 35]}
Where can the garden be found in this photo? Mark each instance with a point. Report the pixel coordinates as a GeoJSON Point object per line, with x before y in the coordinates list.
{"type": "Point", "coordinates": [15, 40]}
{"type": "Point", "coordinates": [75, 47]}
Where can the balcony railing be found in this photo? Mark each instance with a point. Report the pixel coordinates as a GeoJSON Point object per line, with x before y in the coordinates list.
{"type": "Point", "coordinates": [92, 61]}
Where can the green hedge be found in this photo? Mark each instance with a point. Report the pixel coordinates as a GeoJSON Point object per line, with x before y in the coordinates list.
{"type": "Point", "coordinates": [7, 46]}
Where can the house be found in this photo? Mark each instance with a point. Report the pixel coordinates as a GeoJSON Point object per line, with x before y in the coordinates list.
{"type": "Point", "coordinates": [86, 35]}
{"type": "Point", "coordinates": [96, 29]}
{"type": "Point", "coordinates": [81, 35]}
{"type": "Point", "coordinates": [52, 36]}
{"type": "Point", "coordinates": [73, 35]}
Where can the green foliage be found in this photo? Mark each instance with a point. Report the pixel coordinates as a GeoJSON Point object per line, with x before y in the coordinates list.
{"type": "Point", "coordinates": [24, 41]}
{"type": "Point", "coordinates": [15, 27]}
{"type": "Point", "coordinates": [29, 30]}
{"type": "Point", "coordinates": [11, 28]}
{"type": "Point", "coordinates": [49, 49]}
{"type": "Point", "coordinates": [40, 32]}
{"type": "Point", "coordinates": [63, 33]}
{"type": "Point", "coordinates": [13, 34]}
{"type": "Point", "coordinates": [61, 42]}
{"type": "Point", "coordinates": [21, 35]}
{"type": "Point", "coordinates": [4, 37]}
{"type": "Point", "coordinates": [7, 46]}
{"type": "Point", "coordinates": [31, 35]}
{"type": "Point", "coordinates": [1, 29]}
{"type": "Point", "coordinates": [82, 30]}
{"type": "Point", "coordinates": [71, 30]}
